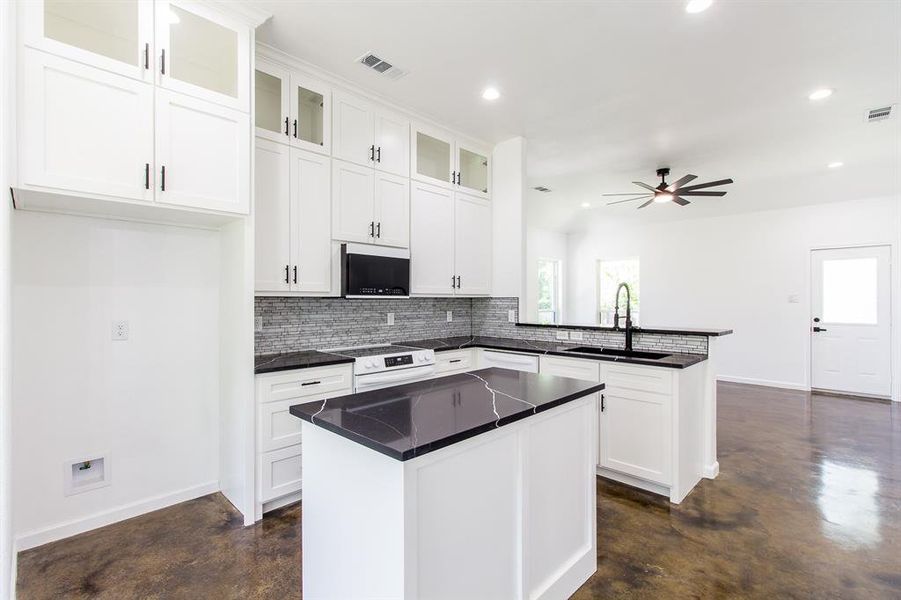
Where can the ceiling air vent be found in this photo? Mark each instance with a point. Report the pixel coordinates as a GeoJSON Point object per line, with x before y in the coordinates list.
{"type": "Point", "coordinates": [541, 188]}
{"type": "Point", "coordinates": [381, 66]}
{"type": "Point", "coordinates": [881, 114]}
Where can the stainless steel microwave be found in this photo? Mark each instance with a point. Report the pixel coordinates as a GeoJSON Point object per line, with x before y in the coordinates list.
{"type": "Point", "coordinates": [374, 272]}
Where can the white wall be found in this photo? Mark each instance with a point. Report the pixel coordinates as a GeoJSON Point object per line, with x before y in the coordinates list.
{"type": "Point", "coordinates": [508, 239]}
{"type": "Point", "coordinates": [542, 244]}
{"type": "Point", "coordinates": [736, 272]}
{"type": "Point", "coordinates": [151, 402]}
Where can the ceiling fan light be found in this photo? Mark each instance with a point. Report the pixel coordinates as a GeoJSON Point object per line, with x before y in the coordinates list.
{"type": "Point", "coordinates": [663, 198]}
{"type": "Point", "coordinates": [696, 6]}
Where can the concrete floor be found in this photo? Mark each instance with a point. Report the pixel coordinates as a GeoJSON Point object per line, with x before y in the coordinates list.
{"type": "Point", "coordinates": [807, 505]}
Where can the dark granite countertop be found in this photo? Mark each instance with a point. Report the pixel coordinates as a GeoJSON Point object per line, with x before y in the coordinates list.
{"type": "Point", "coordinates": [663, 330]}
{"type": "Point", "coordinates": [410, 420]}
{"type": "Point", "coordinates": [269, 363]}
{"type": "Point", "coordinates": [672, 361]}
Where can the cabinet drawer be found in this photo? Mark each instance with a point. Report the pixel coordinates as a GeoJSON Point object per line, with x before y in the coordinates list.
{"type": "Point", "coordinates": [509, 360]}
{"type": "Point", "coordinates": [278, 428]}
{"type": "Point", "coordinates": [280, 473]}
{"type": "Point", "coordinates": [589, 370]}
{"type": "Point", "coordinates": [454, 361]}
{"type": "Point", "coordinates": [304, 383]}
{"type": "Point", "coordinates": [646, 379]}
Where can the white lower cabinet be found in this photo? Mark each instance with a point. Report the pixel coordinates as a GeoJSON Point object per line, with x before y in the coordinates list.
{"type": "Point", "coordinates": [278, 432]}
{"type": "Point", "coordinates": [508, 360]}
{"type": "Point", "coordinates": [451, 362]}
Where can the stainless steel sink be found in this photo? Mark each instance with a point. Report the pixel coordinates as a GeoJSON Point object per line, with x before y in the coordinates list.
{"type": "Point", "coordinates": [617, 352]}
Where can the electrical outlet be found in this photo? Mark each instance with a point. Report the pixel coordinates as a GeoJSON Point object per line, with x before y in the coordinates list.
{"type": "Point", "coordinates": [390, 318]}
{"type": "Point", "coordinates": [562, 335]}
{"type": "Point", "coordinates": [575, 335]}
{"type": "Point", "coordinates": [450, 316]}
{"type": "Point", "coordinates": [119, 331]}
{"type": "Point", "coordinates": [258, 324]}
{"type": "Point", "coordinates": [511, 316]}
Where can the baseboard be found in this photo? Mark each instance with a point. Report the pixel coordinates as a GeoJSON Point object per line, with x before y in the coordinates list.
{"type": "Point", "coordinates": [60, 531]}
{"type": "Point", "coordinates": [786, 385]}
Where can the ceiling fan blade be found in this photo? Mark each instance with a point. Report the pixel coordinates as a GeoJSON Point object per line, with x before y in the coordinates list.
{"type": "Point", "coordinates": [645, 186]}
{"type": "Point", "coordinates": [627, 200]}
{"type": "Point", "coordinates": [647, 203]}
{"type": "Point", "coordinates": [633, 194]}
{"type": "Point", "coordinates": [690, 193]}
{"type": "Point", "coordinates": [700, 186]}
{"type": "Point", "coordinates": [680, 201]}
{"type": "Point", "coordinates": [680, 182]}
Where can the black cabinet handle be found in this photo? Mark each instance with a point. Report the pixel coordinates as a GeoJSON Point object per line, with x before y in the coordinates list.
{"type": "Point", "coordinates": [146, 56]}
{"type": "Point", "coordinates": [146, 176]}
{"type": "Point", "coordinates": [286, 125]}
{"type": "Point", "coordinates": [453, 177]}
{"type": "Point", "coordinates": [295, 273]}
{"type": "Point", "coordinates": [295, 128]}
{"type": "Point", "coordinates": [458, 282]}
{"type": "Point", "coordinates": [458, 177]}
{"type": "Point", "coordinates": [306, 383]}
{"type": "Point", "coordinates": [372, 153]}
{"type": "Point", "coordinates": [163, 61]}
{"type": "Point", "coordinates": [286, 274]}
{"type": "Point", "coordinates": [379, 155]}
{"type": "Point", "coordinates": [603, 406]}
{"type": "Point", "coordinates": [372, 229]}
{"type": "Point", "coordinates": [378, 229]}
{"type": "Point", "coordinates": [163, 178]}
{"type": "Point", "coordinates": [456, 360]}
{"type": "Point", "coordinates": [819, 329]}
{"type": "Point", "coordinates": [453, 282]}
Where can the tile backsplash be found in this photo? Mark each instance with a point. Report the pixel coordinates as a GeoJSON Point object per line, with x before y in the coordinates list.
{"type": "Point", "coordinates": [291, 324]}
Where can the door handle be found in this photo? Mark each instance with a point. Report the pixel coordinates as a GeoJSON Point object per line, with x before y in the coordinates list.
{"type": "Point", "coordinates": [372, 153]}
{"type": "Point", "coordinates": [453, 177]}
{"type": "Point", "coordinates": [458, 177]}
{"type": "Point", "coordinates": [163, 61]}
{"type": "Point", "coordinates": [286, 274]}
{"type": "Point", "coordinates": [372, 229]}
{"type": "Point", "coordinates": [147, 56]}
{"type": "Point", "coordinates": [146, 176]}
{"type": "Point", "coordinates": [378, 155]}
{"type": "Point", "coordinates": [819, 329]}
{"type": "Point", "coordinates": [458, 282]}
{"type": "Point", "coordinates": [163, 178]}
{"type": "Point", "coordinates": [295, 273]}
{"type": "Point", "coordinates": [295, 128]}
{"type": "Point", "coordinates": [603, 405]}
{"type": "Point", "coordinates": [453, 282]}
{"type": "Point", "coordinates": [378, 229]}
{"type": "Point", "coordinates": [286, 125]}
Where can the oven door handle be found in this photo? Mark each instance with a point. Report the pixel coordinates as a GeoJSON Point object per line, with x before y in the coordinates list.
{"type": "Point", "coordinates": [411, 374]}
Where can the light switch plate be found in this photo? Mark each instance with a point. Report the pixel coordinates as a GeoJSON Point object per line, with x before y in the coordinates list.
{"type": "Point", "coordinates": [575, 335]}
{"type": "Point", "coordinates": [562, 335]}
{"type": "Point", "coordinates": [390, 318]}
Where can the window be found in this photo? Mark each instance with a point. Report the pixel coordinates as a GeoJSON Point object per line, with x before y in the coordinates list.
{"type": "Point", "coordinates": [548, 291]}
{"type": "Point", "coordinates": [610, 274]}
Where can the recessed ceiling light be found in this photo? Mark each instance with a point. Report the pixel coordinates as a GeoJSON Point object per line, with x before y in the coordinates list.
{"type": "Point", "coordinates": [820, 94]}
{"type": "Point", "coordinates": [835, 165]}
{"type": "Point", "coordinates": [586, 205]}
{"type": "Point", "coordinates": [696, 6]}
{"type": "Point", "coordinates": [490, 93]}
{"type": "Point", "coordinates": [663, 198]}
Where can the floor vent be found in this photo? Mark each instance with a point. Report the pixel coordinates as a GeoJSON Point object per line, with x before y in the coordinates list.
{"type": "Point", "coordinates": [541, 188]}
{"type": "Point", "coordinates": [381, 66]}
{"type": "Point", "coordinates": [881, 114]}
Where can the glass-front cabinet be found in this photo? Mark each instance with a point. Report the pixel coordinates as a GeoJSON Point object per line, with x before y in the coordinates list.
{"type": "Point", "coordinates": [291, 108]}
{"type": "Point", "coordinates": [271, 106]}
{"type": "Point", "coordinates": [114, 36]}
{"type": "Point", "coordinates": [202, 53]}
{"type": "Point", "coordinates": [433, 156]}
{"type": "Point", "coordinates": [472, 169]}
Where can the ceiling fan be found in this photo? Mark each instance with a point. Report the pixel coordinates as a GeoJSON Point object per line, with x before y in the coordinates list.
{"type": "Point", "coordinates": [671, 192]}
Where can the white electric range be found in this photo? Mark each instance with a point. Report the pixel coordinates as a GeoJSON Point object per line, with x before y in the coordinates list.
{"type": "Point", "coordinates": [388, 365]}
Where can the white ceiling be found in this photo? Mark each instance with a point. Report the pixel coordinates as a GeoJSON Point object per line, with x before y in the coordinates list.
{"type": "Point", "coordinates": [605, 92]}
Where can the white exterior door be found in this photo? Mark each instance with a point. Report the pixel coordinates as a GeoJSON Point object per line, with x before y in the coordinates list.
{"type": "Point", "coordinates": [431, 240]}
{"type": "Point", "coordinates": [202, 154]}
{"type": "Point", "coordinates": [392, 144]}
{"type": "Point", "coordinates": [271, 202]}
{"type": "Point", "coordinates": [311, 255]}
{"type": "Point", "coordinates": [85, 130]}
{"type": "Point", "coordinates": [851, 329]}
{"type": "Point", "coordinates": [392, 210]}
{"type": "Point", "coordinates": [352, 214]}
{"type": "Point", "coordinates": [472, 246]}
{"type": "Point", "coordinates": [352, 129]}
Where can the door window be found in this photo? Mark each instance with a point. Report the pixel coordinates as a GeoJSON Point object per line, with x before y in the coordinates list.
{"type": "Point", "coordinates": [850, 291]}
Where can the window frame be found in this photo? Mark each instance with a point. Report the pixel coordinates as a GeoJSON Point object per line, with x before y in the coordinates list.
{"type": "Point", "coordinates": [598, 298]}
{"type": "Point", "coordinates": [557, 292]}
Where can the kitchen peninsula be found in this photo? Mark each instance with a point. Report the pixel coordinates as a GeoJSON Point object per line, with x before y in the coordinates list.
{"type": "Point", "coordinates": [490, 472]}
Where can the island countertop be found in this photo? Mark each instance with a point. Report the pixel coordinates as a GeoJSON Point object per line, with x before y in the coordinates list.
{"type": "Point", "coordinates": [410, 420]}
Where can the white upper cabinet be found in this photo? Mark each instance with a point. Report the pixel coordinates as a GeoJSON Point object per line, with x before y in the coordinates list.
{"type": "Point", "coordinates": [202, 154]}
{"type": "Point", "coordinates": [472, 245]}
{"type": "Point", "coordinates": [352, 202]}
{"type": "Point", "coordinates": [311, 104]}
{"type": "Point", "coordinates": [84, 130]}
{"type": "Point", "coordinates": [392, 210]}
{"type": "Point", "coordinates": [433, 156]}
{"type": "Point", "coordinates": [203, 53]}
{"type": "Point", "coordinates": [114, 36]}
{"type": "Point", "coordinates": [432, 241]}
{"type": "Point", "coordinates": [272, 199]}
{"type": "Point", "coordinates": [369, 136]}
{"type": "Point", "coordinates": [272, 106]}
{"type": "Point", "coordinates": [472, 169]}
{"type": "Point", "coordinates": [311, 244]}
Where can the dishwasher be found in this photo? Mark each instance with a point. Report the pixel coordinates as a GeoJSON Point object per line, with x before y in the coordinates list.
{"type": "Point", "coordinates": [510, 360]}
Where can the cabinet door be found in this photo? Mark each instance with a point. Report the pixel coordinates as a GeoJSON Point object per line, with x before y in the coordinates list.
{"type": "Point", "coordinates": [203, 154]}
{"type": "Point", "coordinates": [271, 105]}
{"type": "Point", "coordinates": [114, 36]}
{"type": "Point", "coordinates": [635, 435]}
{"type": "Point", "coordinates": [280, 473]}
{"type": "Point", "coordinates": [84, 130]}
{"type": "Point", "coordinates": [392, 143]}
{"type": "Point", "coordinates": [431, 240]}
{"type": "Point", "coordinates": [203, 52]}
{"type": "Point", "coordinates": [473, 170]}
{"type": "Point", "coordinates": [271, 214]}
{"type": "Point", "coordinates": [392, 210]}
{"type": "Point", "coordinates": [433, 156]}
{"type": "Point", "coordinates": [587, 370]}
{"type": "Point", "coordinates": [352, 128]}
{"type": "Point", "coordinates": [472, 245]}
{"type": "Point", "coordinates": [352, 214]}
{"type": "Point", "coordinates": [311, 106]}
{"type": "Point", "coordinates": [311, 246]}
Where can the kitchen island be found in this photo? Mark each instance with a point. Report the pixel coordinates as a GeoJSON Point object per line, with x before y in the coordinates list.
{"type": "Point", "coordinates": [477, 485]}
